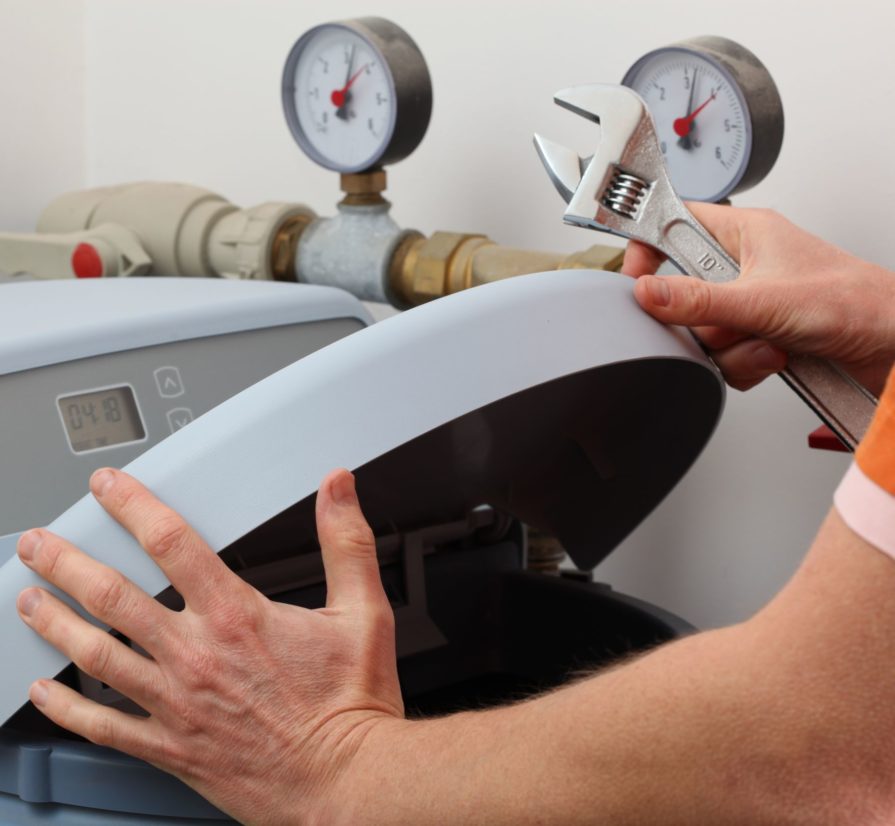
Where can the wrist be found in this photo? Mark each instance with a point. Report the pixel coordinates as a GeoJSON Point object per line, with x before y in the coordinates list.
{"type": "Point", "coordinates": [873, 330]}
{"type": "Point", "coordinates": [353, 792]}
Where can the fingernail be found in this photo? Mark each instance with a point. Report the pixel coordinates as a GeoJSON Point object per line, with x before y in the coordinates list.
{"type": "Point", "coordinates": [29, 542]}
{"type": "Point", "coordinates": [343, 489]}
{"type": "Point", "coordinates": [766, 357]}
{"type": "Point", "coordinates": [28, 601]}
{"type": "Point", "coordinates": [101, 481]}
{"type": "Point", "coordinates": [39, 693]}
{"type": "Point", "coordinates": [658, 291]}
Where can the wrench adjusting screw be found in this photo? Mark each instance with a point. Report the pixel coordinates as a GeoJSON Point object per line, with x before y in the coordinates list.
{"type": "Point", "coordinates": [625, 193]}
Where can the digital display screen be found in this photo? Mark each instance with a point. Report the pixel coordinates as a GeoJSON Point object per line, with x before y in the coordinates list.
{"type": "Point", "coordinates": [101, 418]}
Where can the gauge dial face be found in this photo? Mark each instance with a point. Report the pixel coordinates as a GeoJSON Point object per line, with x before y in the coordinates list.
{"type": "Point", "coordinates": [701, 119]}
{"type": "Point", "coordinates": [339, 98]}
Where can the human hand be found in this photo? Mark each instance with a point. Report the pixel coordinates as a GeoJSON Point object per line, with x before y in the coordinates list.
{"type": "Point", "coordinates": [795, 294]}
{"type": "Point", "coordinates": [258, 705]}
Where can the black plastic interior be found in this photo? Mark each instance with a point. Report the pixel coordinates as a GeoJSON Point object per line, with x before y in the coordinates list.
{"type": "Point", "coordinates": [584, 458]}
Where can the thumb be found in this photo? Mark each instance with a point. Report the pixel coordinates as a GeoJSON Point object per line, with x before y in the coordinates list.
{"type": "Point", "coordinates": [726, 224]}
{"type": "Point", "coordinates": [346, 543]}
{"type": "Point", "coordinates": [681, 299]}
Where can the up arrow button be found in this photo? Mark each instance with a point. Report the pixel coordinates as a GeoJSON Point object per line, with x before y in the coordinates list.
{"type": "Point", "coordinates": [168, 381]}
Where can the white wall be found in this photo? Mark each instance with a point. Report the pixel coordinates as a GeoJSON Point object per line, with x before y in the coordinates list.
{"type": "Point", "coordinates": [42, 112]}
{"type": "Point", "coordinates": [189, 90]}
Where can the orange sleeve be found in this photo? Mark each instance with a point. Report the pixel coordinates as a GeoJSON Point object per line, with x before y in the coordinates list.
{"type": "Point", "coordinates": [876, 452]}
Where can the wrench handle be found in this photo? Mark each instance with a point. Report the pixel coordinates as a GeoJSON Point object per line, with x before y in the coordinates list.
{"type": "Point", "coordinates": [842, 404]}
{"type": "Point", "coordinates": [695, 251]}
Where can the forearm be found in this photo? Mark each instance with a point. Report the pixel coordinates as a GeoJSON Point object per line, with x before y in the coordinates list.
{"type": "Point", "coordinates": [657, 741]}
{"type": "Point", "coordinates": [787, 718]}
{"type": "Point", "coordinates": [613, 749]}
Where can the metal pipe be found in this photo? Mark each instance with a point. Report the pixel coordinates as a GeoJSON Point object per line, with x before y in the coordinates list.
{"type": "Point", "coordinates": [189, 231]}
{"type": "Point", "coordinates": [427, 268]}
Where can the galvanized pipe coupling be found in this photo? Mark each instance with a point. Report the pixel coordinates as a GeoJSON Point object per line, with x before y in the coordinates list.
{"type": "Point", "coordinates": [354, 248]}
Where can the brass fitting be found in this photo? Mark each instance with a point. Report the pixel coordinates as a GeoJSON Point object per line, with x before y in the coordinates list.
{"type": "Point", "coordinates": [422, 269]}
{"type": "Point", "coordinates": [363, 188]}
{"type": "Point", "coordinates": [284, 247]}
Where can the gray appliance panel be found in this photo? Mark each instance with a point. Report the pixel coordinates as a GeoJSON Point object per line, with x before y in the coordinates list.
{"type": "Point", "coordinates": [43, 476]}
{"type": "Point", "coordinates": [48, 322]}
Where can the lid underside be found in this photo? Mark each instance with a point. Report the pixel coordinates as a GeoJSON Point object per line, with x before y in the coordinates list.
{"type": "Point", "coordinates": [584, 457]}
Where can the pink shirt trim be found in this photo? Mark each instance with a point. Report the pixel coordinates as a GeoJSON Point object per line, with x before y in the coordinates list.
{"type": "Point", "coordinates": [867, 509]}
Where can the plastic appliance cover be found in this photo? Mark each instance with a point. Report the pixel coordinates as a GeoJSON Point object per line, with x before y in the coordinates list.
{"type": "Point", "coordinates": [551, 396]}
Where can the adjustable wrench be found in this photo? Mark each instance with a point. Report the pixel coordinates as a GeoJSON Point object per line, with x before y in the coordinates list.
{"type": "Point", "coordinates": [624, 189]}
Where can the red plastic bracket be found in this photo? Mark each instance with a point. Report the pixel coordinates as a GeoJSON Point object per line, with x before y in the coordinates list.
{"type": "Point", "coordinates": [825, 439]}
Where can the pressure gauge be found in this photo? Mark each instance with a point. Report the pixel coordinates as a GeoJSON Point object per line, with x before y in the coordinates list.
{"type": "Point", "coordinates": [356, 94]}
{"type": "Point", "coordinates": [717, 113]}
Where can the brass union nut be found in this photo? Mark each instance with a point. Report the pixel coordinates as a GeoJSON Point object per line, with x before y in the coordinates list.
{"type": "Point", "coordinates": [439, 265]}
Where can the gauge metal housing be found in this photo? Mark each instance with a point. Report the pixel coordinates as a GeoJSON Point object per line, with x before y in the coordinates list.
{"type": "Point", "coordinates": [408, 77]}
{"type": "Point", "coordinates": [755, 88]}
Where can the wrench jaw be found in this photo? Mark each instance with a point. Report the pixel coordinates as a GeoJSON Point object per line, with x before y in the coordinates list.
{"type": "Point", "coordinates": [614, 186]}
{"type": "Point", "coordinates": [593, 100]}
{"type": "Point", "coordinates": [564, 167]}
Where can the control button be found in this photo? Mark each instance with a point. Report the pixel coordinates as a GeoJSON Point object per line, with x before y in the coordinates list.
{"type": "Point", "coordinates": [179, 417]}
{"type": "Point", "coordinates": [168, 381]}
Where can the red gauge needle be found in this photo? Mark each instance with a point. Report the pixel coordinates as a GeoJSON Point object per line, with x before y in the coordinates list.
{"type": "Point", "coordinates": [339, 96]}
{"type": "Point", "coordinates": [682, 125]}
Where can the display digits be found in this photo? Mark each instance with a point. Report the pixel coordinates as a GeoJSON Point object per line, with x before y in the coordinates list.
{"type": "Point", "coordinates": [102, 418]}
{"type": "Point", "coordinates": [74, 417]}
{"type": "Point", "coordinates": [77, 413]}
{"type": "Point", "coordinates": [111, 409]}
